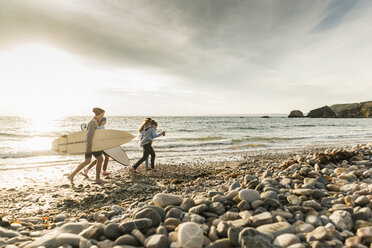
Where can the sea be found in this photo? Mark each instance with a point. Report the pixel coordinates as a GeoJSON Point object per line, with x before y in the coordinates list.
{"type": "Point", "coordinates": [26, 142]}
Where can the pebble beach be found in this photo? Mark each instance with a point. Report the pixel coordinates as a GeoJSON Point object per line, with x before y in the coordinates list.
{"type": "Point", "coordinates": [318, 198]}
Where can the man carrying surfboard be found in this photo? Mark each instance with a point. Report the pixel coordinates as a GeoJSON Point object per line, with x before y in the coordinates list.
{"type": "Point", "coordinates": [92, 126]}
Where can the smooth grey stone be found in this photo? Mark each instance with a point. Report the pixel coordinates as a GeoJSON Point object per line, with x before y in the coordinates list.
{"type": "Point", "coordinates": [221, 243]}
{"type": "Point", "coordinates": [93, 232]}
{"type": "Point", "coordinates": [362, 201]}
{"type": "Point", "coordinates": [219, 198]}
{"type": "Point", "coordinates": [60, 218]}
{"type": "Point", "coordinates": [217, 208]}
{"type": "Point", "coordinates": [269, 202]}
{"type": "Point", "coordinates": [230, 216]}
{"type": "Point", "coordinates": [312, 204]}
{"type": "Point", "coordinates": [172, 221]}
{"type": "Point", "coordinates": [33, 220]}
{"type": "Point", "coordinates": [365, 234]}
{"type": "Point", "coordinates": [257, 204]}
{"type": "Point", "coordinates": [158, 209]}
{"type": "Point", "coordinates": [313, 220]}
{"type": "Point", "coordinates": [269, 194]}
{"type": "Point", "coordinates": [233, 186]}
{"type": "Point", "coordinates": [198, 209]}
{"type": "Point", "coordinates": [105, 244]}
{"type": "Point", "coordinates": [233, 235]}
{"type": "Point", "coordinates": [342, 220]}
{"type": "Point", "coordinates": [126, 239]}
{"type": "Point", "coordinates": [222, 229]}
{"type": "Point", "coordinates": [174, 213]}
{"type": "Point", "coordinates": [163, 200]}
{"type": "Point", "coordinates": [139, 236]}
{"type": "Point", "coordinates": [68, 239]}
{"type": "Point", "coordinates": [44, 241]}
{"type": "Point", "coordinates": [140, 224]}
{"type": "Point", "coordinates": [232, 194]}
{"type": "Point", "coordinates": [286, 240]}
{"type": "Point", "coordinates": [276, 229]}
{"type": "Point", "coordinates": [249, 195]}
{"type": "Point", "coordinates": [244, 205]}
{"type": "Point", "coordinates": [117, 209]}
{"type": "Point", "coordinates": [187, 203]}
{"type": "Point", "coordinates": [304, 228]}
{"type": "Point", "coordinates": [157, 241]}
{"type": "Point", "coordinates": [318, 234]}
{"type": "Point", "coordinates": [361, 214]}
{"type": "Point", "coordinates": [162, 230]}
{"type": "Point", "coordinates": [112, 231]}
{"type": "Point", "coordinates": [251, 238]}
{"type": "Point", "coordinates": [74, 228]}
{"type": "Point", "coordinates": [262, 219]}
{"type": "Point", "coordinates": [214, 193]}
{"type": "Point", "coordinates": [151, 214]}
{"type": "Point", "coordinates": [8, 233]}
{"type": "Point", "coordinates": [213, 235]}
{"type": "Point", "coordinates": [239, 223]}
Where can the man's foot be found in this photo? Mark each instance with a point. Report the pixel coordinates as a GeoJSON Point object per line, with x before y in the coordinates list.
{"type": "Point", "coordinates": [105, 173]}
{"type": "Point", "coordinates": [100, 181]}
{"type": "Point", "coordinates": [71, 178]}
{"type": "Point", "coordinates": [85, 173]}
{"type": "Point", "coordinates": [148, 169]}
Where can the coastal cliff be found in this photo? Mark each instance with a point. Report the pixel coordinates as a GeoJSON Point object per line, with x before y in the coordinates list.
{"type": "Point", "coordinates": [349, 110]}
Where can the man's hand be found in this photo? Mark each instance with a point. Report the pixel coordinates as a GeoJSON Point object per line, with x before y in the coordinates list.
{"type": "Point", "coordinates": [163, 133]}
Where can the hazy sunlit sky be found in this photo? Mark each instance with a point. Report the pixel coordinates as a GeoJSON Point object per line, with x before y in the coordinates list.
{"type": "Point", "coordinates": [177, 57]}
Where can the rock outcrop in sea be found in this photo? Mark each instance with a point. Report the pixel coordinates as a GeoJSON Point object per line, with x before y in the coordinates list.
{"type": "Point", "coordinates": [350, 110]}
{"type": "Point", "coordinates": [296, 114]}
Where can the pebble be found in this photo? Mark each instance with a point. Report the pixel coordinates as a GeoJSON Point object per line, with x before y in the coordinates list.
{"type": "Point", "coordinates": [342, 220]}
{"type": "Point", "coordinates": [157, 241]}
{"type": "Point", "coordinates": [150, 214]}
{"type": "Point", "coordinates": [249, 195]}
{"type": "Point", "coordinates": [126, 239]}
{"type": "Point", "coordinates": [190, 235]}
{"type": "Point", "coordinates": [163, 200]}
{"type": "Point", "coordinates": [140, 224]}
{"type": "Point", "coordinates": [286, 240]}
{"type": "Point", "coordinates": [276, 229]}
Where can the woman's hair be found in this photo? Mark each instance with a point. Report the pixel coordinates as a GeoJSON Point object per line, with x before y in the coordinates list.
{"type": "Point", "coordinates": [154, 123]}
{"type": "Point", "coordinates": [146, 121]}
{"type": "Point", "coordinates": [98, 111]}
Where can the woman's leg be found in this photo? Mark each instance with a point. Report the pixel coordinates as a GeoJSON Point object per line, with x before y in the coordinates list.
{"type": "Point", "coordinates": [98, 170]}
{"type": "Point", "coordinates": [105, 163]}
{"type": "Point", "coordinates": [153, 155]}
{"type": "Point", "coordinates": [85, 173]}
{"type": "Point", "coordinates": [146, 152]}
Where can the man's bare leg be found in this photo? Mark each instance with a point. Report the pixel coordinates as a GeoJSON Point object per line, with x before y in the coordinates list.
{"type": "Point", "coordinates": [98, 170]}
{"type": "Point", "coordinates": [80, 166]}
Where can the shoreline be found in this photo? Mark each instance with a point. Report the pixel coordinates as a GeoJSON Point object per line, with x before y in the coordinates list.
{"type": "Point", "coordinates": [86, 200]}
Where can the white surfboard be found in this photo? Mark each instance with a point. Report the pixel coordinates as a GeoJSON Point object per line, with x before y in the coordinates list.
{"type": "Point", "coordinates": [118, 154]}
{"type": "Point", "coordinates": [76, 143]}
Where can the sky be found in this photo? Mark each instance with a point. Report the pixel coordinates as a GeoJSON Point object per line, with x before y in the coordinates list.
{"type": "Point", "coordinates": [176, 57]}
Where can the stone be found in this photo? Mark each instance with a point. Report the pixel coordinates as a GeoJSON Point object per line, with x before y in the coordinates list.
{"type": "Point", "coordinates": [349, 188]}
{"type": "Point", "coordinates": [60, 218]}
{"type": "Point", "coordinates": [244, 205]}
{"type": "Point", "coordinates": [276, 229]}
{"type": "Point", "coordinates": [126, 239]}
{"type": "Point", "coordinates": [8, 233]}
{"type": "Point", "coordinates": [352, 241]}
{"type": "Point", "coordinates": [140, 224]}
{"type": "Point", "coordinates": [74, 228]}
{"type": "Point", "coordinates": [163, 200]}
{"type": "Point", "coordinates": [233, 235]}
{"type": "Point", "coordinates": [157, 241]}
{"type": "Point", "coordinates": [213, 235]}
{"type": "Point", "coordinates": [190, 235]}
{"type": "Point", "coordinates": [320, 233]}
{"type": "Point", "coordinates": [362, 201]}
{"type": "Point", "coordinates": [112, 231]}
{"type": "Point", "coordinates": [198, 209]}
{"type": "Point", "coordinates": [175, 213]}
{"type": "Point", "coordinates": [286, 240]}
{"type": "Point", "coordinates": [33, 220]}
{"type": "Point", "coordinates": [251, 238]}
{"type": "Point", "coordinates": [361, 214]}
{"type": "Point", "coordinates": [68, 239]}
{"type": "Point", "coordinates": [233, 186]}
{"type": "Point", "coordinates": [249, 195]}
{"type": "Point", "coordinates": [296, 114]}
{"type": "Point", "coordinates": [138, 235]}
{"type": "Point", "coordinates": [261, 219]}
{"type": "Point", "coordinates": [93, 232]}
{"type": "Point", "coordinates": [158, 209]}
{"type": "Point", "coordinates": [294, 200]}
{"type": "Point", "coordinates": [232, 194]}
{"type": "Point", "coordinates": [172, 221]}
{"type": "Point", "coordinates": [222, 229]}
{"type": "Point", "coordinates": [313, 220]}
{"type": "Point", "coordinates": [151, 214]}
{"type": "Point", "coordinates": [269, 194]}
{"type": "Point", "coordinates": [304, 192]}
{"type": "Point", "coordinates": [342, 220]}
{"type": "Point", "coordinates": [221, 243]}
{"type": "Point", "coordinates": [304, 228]}
{"type": "Point", "coordinates": [217, 208]}
{"type": "Point", "coordinates": [312, 204]}
{"type": "Point", "coordinates": [365, 234]}
{"type": "Point", "coordinates": [162, 230]}
{"type": "Point", "coordinates": [44, 241]}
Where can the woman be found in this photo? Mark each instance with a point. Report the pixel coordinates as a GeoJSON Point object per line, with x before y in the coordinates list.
{"type": "Point", "coordinates": [105, 163]}
{"type": "Point", "coordinates": [148, 134]}
{"type": "Point", "coordinates": [92, 126]}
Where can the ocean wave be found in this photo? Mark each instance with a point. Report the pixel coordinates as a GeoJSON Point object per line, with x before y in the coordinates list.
{"type": "Point", "coordinates": [247, 146]}
{"type": "Point", "coordinates": [208, 138]}
{"type": "Point", "coordinates": [13, 135]}
{"type": "Point", "coordinates": [27, 154]}
{"type": "Point", "coordinates": [269, 139]}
